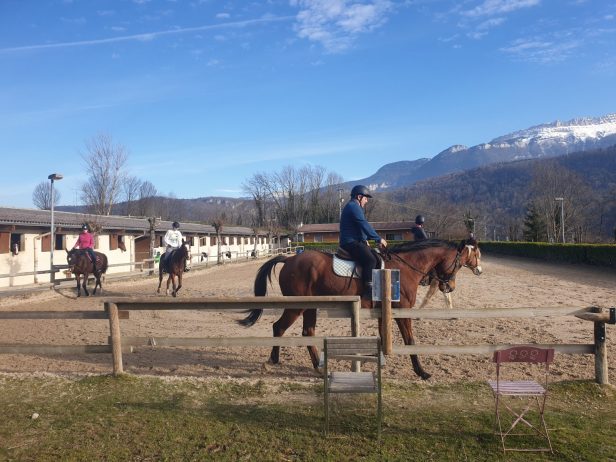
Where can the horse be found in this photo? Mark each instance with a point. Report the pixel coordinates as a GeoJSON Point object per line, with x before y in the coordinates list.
{"type": "Point", "coordinates": [80, 264]}
{"type": "Point", "coordinates": [174, 266]}
{"type": "Point", "coordinates": [311, 273]}
{"type": "Point", "coordinates": [475, 267]}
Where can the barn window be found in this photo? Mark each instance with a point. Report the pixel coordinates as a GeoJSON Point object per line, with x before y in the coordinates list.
{"type": "Point", "coordinates": [60, 242]}
{"type": "Point", "coordinates": [252, 240]}
{"type": "Point", "coordinates": [318, 238]}
{"type": "Point", "coordinates": [231, 240]}
{"type": "Point", "coordinates": [393, 237]}
{"type": "Point", "coordinates": [113, 241]}
{"type": "Point", "coordinates": [203, 241]}
{"type": "Point", "coordinates": [5, 242]}
{"type": "Point", "coordinates": [18, 243]}
{"type": "Point", "coordinates": [160, 241]}
{"type": "Point", "coordinates": [213, 240]}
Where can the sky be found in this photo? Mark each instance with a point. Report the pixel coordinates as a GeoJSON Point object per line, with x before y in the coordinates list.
{"type": "Point", "coordinates": [203, 94]}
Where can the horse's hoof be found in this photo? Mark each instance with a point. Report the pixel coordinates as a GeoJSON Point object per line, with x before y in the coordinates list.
{"type": "Point", "coordinates": [271, 362]}
{"type": "Point", "coordinates": [174, 294]}
{"type": "Point", "coordinates": [319, 371]}
{"type": "Point", "coordinates": [425, 376]}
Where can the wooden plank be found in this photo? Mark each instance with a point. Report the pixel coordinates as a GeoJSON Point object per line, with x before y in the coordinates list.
{"type": "Point", "coordinates": [53, 315]}
{"type": "Point", "coordinates": [53, 349]}
{"type": "Point", "coordinates": [486, 349]}
{"type": "Point", "coordinates": [116, 338]}
{"type": "Point", "coordinates": [386, 324]}
{"type": "Point", "coordinates": [488, 313]}
{"type": "Point", "coordinates": [224, 342]}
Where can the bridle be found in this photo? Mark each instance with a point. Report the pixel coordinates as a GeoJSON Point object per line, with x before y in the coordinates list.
{"type": "Point", "coordinates": [450, 275]}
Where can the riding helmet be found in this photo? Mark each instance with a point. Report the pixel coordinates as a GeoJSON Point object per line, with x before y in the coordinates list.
{"type": "Point", "coordinates": [360, 189]}
{"type": "Point", "coordinates": [85, 227]}
{"type": "Point", "coordinates": [176, 225]}
{"type": "Point", "coordinates": [419, 219]}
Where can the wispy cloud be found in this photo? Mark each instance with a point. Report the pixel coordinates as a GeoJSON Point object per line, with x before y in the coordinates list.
{"type": "Point", "coordinates": [145, 37]}
{"type": "Point", "coordinates": [496, 7]}
{"type": "Point", "coordinates": [335, 24]}
{"type": "Point", "coordinates": [541, 51]}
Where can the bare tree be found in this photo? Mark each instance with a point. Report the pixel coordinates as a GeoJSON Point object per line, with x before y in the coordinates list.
{"type": "Point", "coordinates": [218, 225]}
{"type": "Point", "coordinates": [104, 162]}
{"type": "Point", "coordinates": [41, 196]}
{"type": "Point", "coordinates": [130, 188]}
{"type": "Point", "coordinates": [147, 195]}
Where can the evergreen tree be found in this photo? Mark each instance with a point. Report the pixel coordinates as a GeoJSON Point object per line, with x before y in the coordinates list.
{"type": "Point", "coordinates": [534, 226]}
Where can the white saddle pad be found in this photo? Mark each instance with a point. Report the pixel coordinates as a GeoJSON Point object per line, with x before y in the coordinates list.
{"type": "Point", "coordinates": [346, 268]}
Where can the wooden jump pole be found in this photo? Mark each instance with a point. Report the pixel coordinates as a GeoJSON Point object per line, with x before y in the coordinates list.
{"type": "Point", "coordinates": [116, 337]}
{"type": "Point", "coordinates": [601, 369]}
{"type": "Point", "coordinates": [386, 324]}
{"type": "Point", "coordinates": [355, 330]}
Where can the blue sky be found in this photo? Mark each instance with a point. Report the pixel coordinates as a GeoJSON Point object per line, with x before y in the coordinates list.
{"type": "Point", "coordinates": [205, 93]}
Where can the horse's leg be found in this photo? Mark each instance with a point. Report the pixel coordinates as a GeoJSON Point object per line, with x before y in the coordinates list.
{"type": "Point", "coordinates": [310, 324]}
{"type": "Point", "coordinates": [433, 287]}
{"type": "Point", "coordinates": [279, 327]}
{"type": "Point", "coordinates": [406, 329]}
{"type": "Point", "coordinates": [169, 281]}
{"type": "Point", "coordinates": [179, 283]}
{"type": "Point", "coordinates": [448, 300]}
{"type": "Point", "coordinates": [175, 285]}
{"type": "Point", "coordinates": [160, 279]}
{"type": "Point", "coordinates": [85, 284]}
{"type": "Point", "coordinates": [78, 278]}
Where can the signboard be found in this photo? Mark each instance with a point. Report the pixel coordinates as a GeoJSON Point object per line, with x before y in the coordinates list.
{"type": "Point", "coordinates": [376, 285]}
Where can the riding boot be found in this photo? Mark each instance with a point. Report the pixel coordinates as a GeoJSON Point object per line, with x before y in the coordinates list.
{"type": "Point", "coordinates": [367, 294]}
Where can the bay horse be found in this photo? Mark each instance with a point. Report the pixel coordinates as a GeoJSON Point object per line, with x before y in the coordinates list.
{"type": "Point", "coordinates": [310, 273]}
{"type": "Point", "coordinates": [174, 266]}
{"type": "Point", "coordinates": [81, 265]}
{"type": "Point", "coordinates": [434, 283]}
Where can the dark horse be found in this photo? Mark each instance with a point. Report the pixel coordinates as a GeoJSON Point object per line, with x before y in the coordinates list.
{"type": "Point", "coordinates": [310, 273]}
{"type": "Point", "coordinates": [80, 264]}
{"type": "Point", "coordinates": [174, 265]}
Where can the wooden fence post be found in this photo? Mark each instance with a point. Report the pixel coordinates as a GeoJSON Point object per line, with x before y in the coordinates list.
{"type": "Point", "coordinates": [116, 337]}
{"type": "Point", "coordinates": [386, 324]}
{"type": "Point", "coordinates": [601, 369]}
{"type": "Point", "coordinates": [355, 331]}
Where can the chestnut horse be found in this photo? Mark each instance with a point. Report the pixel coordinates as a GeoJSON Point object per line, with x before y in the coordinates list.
{"type": "Point", "coordinates": [310, 273]}
{"type": "Point", "coordinates": [80, 264]}
{"type": "Point", "coordinates": [174, 265]}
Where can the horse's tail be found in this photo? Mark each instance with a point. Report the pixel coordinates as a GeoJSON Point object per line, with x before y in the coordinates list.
{"type": "Point", "coordinates": [104, 263]}
{"type": "Point", "coordinates": [260, 288]}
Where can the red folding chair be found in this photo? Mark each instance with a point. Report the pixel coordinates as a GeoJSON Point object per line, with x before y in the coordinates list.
{"type": "Point", "coordinates": [516, 399]}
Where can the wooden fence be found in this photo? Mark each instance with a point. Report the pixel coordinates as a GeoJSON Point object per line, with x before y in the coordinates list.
{"type": "Point", "coordinates": [344, 307]}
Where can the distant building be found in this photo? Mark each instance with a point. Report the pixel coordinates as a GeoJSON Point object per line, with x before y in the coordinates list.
{"type": "Point", "coordinates": [329, 232]}
{"type": "Point", "coordinates": [25, 242]}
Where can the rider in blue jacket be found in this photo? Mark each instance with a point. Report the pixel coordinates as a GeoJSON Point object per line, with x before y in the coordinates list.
{"type": "Point", "coordinates": [355, 231]}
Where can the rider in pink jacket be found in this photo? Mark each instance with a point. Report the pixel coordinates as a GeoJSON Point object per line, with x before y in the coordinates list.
{"type": "Point", "coordinates": [86, 241]}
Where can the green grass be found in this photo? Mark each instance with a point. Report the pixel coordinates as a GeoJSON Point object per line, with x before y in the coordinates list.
{"type": "Point", "coordinates": [137, 418]}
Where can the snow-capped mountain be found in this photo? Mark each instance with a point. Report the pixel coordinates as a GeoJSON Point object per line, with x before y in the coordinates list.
{"type": "Point", "coordinates": [546, 140]}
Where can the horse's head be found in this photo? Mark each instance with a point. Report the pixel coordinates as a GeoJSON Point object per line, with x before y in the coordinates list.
{"type": "Point", "coordinates": [70, 257]}
{"type": "Point", "coordinates": [470, 255]}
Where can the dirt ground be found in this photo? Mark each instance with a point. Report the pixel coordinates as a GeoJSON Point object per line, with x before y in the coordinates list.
{"type": "Point", "coordinates": [505, 283]}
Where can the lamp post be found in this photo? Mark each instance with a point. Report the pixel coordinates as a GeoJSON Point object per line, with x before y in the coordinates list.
{"type": "Point", "coordinates": [52, 275]}
{"type": "Point", "coordinates": [340, 202]}
{"type": "Point", "coordinates": [562, 214]}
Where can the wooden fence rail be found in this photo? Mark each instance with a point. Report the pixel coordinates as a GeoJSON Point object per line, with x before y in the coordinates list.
{"type": "Point", "coordinates": [343, 307]}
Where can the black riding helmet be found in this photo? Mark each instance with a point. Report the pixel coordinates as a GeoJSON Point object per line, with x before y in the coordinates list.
{"type": "Point", "coordinates": [419, 219]}
{"type": "Point", "coordinates": [85, 227]}
{"type": "Point", "coordinates": [175, 225]}
{"type": "Point", "coordinates": [360, 189]}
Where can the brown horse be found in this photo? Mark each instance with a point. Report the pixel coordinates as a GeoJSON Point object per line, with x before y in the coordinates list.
{"type": "Point", "coordinates": [310, 273]}
{"type": "Point", "coordinates": [434, 283]}
{"type": "Point", "coordinates": [80, 264]}
{"type": "Point", "coordinates": [174, 265]}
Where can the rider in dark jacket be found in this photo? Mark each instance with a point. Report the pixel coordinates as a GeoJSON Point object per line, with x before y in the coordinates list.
{"type": "Point", "coordinates": [418, 232]}
{"type": "Point", "coordinates": [355, 231]}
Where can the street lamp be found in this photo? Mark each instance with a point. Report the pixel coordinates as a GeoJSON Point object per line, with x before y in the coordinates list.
{"type": "Point", "coordinates": [340, 202]}
{"type": "Point", "coordinates": [562, 214]}
{"type": "Point", "coordinates": [52, 275]}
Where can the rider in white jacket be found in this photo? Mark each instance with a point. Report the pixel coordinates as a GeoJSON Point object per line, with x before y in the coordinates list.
{"type": "Point", "coordinates": [173, 240]}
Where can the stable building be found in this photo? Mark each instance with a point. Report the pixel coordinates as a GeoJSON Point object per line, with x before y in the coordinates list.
{"type": "Point", "coordinates": [128, 242]}
{"type": "Point", "coordinates": [330, 232]}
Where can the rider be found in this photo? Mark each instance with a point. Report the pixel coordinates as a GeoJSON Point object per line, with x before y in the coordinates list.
{"type": "Point", "coordinates": [173, 241]}
{"type": "Point", "coordinates": [85, 241]}
{"type": "Point", "coordinates": [418, 232]}
{"type": "Point", "coordinates": [355, 231]}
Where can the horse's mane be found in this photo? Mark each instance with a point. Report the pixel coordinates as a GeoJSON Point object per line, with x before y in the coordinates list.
{"type": "Point", "coordinates": [415, 246]}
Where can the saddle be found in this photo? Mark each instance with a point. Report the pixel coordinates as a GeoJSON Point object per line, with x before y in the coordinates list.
{"type": "Point", "coordinates": [85, 252]}
{"type": "Point", "coordinates": [344, 265]}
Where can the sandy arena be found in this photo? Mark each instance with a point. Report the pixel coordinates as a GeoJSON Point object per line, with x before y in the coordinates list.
{"type": "Point", "coordinates": [506, 283]}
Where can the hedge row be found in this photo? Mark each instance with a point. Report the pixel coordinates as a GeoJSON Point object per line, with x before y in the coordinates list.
{"type": "Point", "coordinates": [592, 254]}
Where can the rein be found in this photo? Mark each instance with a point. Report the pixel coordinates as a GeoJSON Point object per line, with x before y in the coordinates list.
{"type": "Point", "coordinates": [445, 280]}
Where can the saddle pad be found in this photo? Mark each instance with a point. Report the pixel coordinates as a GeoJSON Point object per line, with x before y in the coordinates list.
{"type": "Point", "coordinates": [346, 268]}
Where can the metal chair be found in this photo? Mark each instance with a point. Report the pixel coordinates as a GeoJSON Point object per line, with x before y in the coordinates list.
{"type": "Point", "coordinates": [514, 399]}
{"type": "Point", "coordinates": [353, 349]}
